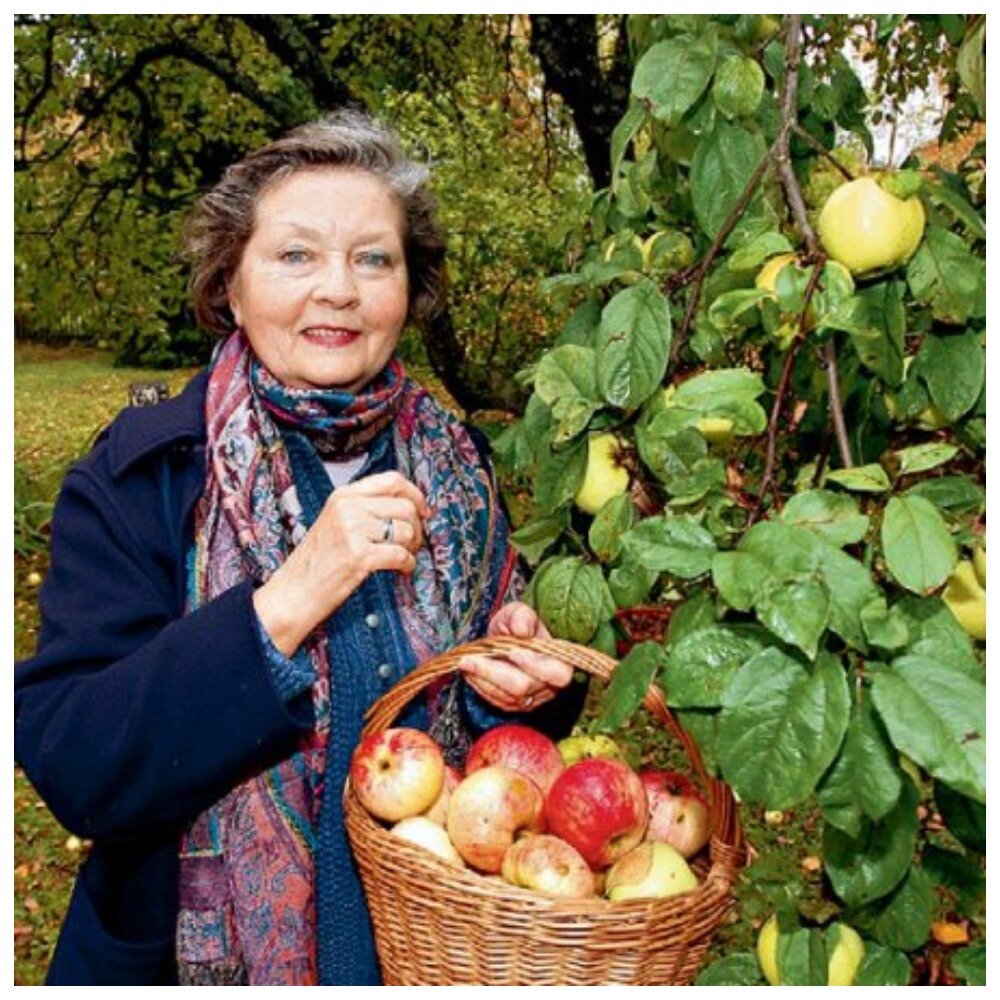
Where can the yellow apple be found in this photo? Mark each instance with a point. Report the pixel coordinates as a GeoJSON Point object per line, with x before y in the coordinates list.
{"type": "Point", "coordinates": [579, 746]}
{"type": "Point", "coordinates": [716, 430]}
{"type": "Point", "coordinates": [966, 599]}
{"type": "Point", "coordinates": [653, 869]}
{"type": "Point", "coordinates": [431, 836]}
{"type": "Point", "coordinates": [605, 477]}
{"type": "Point", "coordinates": [867, 229]}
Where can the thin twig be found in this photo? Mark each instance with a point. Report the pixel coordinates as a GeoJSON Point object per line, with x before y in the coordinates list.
{"type": "Point", "coordinates": [697, 274]}
{"type": "Point", "coordinates": [809, 138]}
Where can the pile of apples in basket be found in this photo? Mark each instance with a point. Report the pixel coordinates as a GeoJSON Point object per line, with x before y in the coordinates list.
{"type": "Point", "coordinates": [570, 819]}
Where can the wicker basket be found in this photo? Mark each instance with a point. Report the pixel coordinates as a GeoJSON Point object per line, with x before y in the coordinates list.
{"type": "Point", "coordinates": [440, 926]}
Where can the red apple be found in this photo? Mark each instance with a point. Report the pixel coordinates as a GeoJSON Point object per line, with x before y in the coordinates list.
{"type": "Point", "coordinates": [549, 865]}
{"type": "Point", "coordinates": [398, 772]}
{"type": "Point", "coordinates": [487, 812]}
{"type": "Point", "coordinates": [518, 747]}
{"type": "Point", "coordinates": [438, 812]}
{"type": "Point", "coordinates": [678, 812]}
{"type": "Point", "coordinates": [600, 807]}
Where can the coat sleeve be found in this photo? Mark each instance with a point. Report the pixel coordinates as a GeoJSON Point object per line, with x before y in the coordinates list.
{"type": "Point", "coordinates": [133, 717]}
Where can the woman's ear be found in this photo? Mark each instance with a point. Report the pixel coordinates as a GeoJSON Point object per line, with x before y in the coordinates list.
{"type": "Point", "coordinates": [233, 298]}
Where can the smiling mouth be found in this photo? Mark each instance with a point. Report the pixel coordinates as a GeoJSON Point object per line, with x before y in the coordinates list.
{"type": "Point", "coordinates": [331, 336]}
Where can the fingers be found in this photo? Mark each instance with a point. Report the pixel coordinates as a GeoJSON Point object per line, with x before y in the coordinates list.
{"type": "Point", "coordinates": [518, 619]}
{"type": "Point", "coordinates": [519, 681]}
{"type": "Point", "coordinates": [390, 484]}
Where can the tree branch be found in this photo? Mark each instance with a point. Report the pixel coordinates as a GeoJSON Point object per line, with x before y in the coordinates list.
{"type": "Point", "coordinates": [793, 194]}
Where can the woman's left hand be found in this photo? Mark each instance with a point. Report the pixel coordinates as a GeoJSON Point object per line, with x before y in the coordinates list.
{"type": "Point", "coordinates": [522, 679]}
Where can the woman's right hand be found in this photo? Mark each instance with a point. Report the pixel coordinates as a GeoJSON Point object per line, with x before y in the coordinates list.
{"type": "Point", "coordinates": [339, 552]}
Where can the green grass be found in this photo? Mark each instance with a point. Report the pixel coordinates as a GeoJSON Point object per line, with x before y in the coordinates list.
{"type": "Point", "coordinates": [62, 400]}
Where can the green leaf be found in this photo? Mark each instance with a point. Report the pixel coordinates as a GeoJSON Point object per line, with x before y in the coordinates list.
{"type": "Point", "coordinates": [752, 254]}
{"type": "Point", "coordinates": [921, 457]}
{"type": "Point", "coordinates": [631, 584]}
{"type": "Point", "coordinates": [865, 780]}
{"type": "Point", "coordinates": [559, 475]}
{"type": "Point", "coordinates": [959, 207]}
{"type": "Point", "coordinates": [961, 494]}
{"type": "Point", "coordinates": [883, 967]}
{"type": "Point", "coordinates": [610, 523]}
{"type": "Point", "coordinates": [572, 598]}
{"type": "Point", "coordinates": [946, 276]}
{"type": "Point", "coordinates": [740, 578]}
{"type": "Point", "coordinates": [965, 819]}
{"type": "Point", "coordinates": [566, 380]}
{"type": "Point", "coordinates": [723, 164]}
{"type": "Point", "coordinates": [737, 969]}
{"type": "Point", "coordinates": [852, 591]}
{"type": "Point", "coordinates": [738, 86]}
{"type": "Point", "coordinates": [786, 548]}
{"type": "Point", "coordinates": [970, 962]}
{"type": "Point", "coordinates": [875, 318]}
{"type": "Point", "coordinates": [516, 447]}
{"type": "Point", "coordinates": [971, 64]}
{"type": "Point", "coordinates": [535, 537]}
{"type": "Point", "coordinates": [833, 516]}
{"type": "Point", "coordinates": [628, 685]}
{"type": "Point", "coordinates": [677, 545]}
{"type": "Point", "coordinates": [781, 726]}
{"type": "Point", "coordinates": [865, 868]}
{"type": "Point", "coordinates": [624, 132]}
{"type": "Point", "coordinates": [667, 446]}
{"type": "Point", "coordinates": [633, 345]}
{"type": "Point", "coordinates": [954, 370]}
{"type": "Point", "coordinates": [673, 74]}
{"type": "Point", "coordinates": [861, 479]}
{"type": "Point", "coordinates": [725, 392]}
{"type": "Point", "coordinates": [582, 326]}
{"type": "Point", "coordinates": [797, 610]}
{"type": "Point", "coordinates": [801, 957]}
{"type": "Point", "coordinates": [700, 666]}
{"type": "Point", "coordinates": [902, 919]}
{"type": "Point", "coordinates": [919, 550]}
{"type": "Point", "coordinates": [691, 615]}
{"type": "Point", "coordinates": [960, 875]}
{"type": "Point", "coordinates": [936, 634]}
{"type": "Point", "coordinates": [936, 715]}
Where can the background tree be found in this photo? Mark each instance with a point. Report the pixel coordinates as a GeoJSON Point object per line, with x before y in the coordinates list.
{"type": "Point", "coordinates": [121, 120]}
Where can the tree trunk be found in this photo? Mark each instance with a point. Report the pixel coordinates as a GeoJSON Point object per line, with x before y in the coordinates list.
{"type": "Point", "coordinates": [567, 49]}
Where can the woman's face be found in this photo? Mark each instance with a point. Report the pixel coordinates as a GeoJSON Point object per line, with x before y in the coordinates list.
{"type": "Point", "coordinates": [322, 288]}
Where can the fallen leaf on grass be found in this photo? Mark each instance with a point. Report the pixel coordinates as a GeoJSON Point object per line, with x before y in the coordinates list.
{"type": "Point", "coordinates": [945, 932]}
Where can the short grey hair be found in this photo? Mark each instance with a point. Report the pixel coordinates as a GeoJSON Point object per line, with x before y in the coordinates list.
{"type": "Point", "coordinates": [222, 221]}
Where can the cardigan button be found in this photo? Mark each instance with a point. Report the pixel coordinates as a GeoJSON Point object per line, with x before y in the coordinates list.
{"type": "Point", "coordinates": [384, 670]}
{"type": "Point", "coordinates": [372, 620]}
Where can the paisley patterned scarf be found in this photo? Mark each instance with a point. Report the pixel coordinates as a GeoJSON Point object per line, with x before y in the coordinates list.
{"type": "Point", "coordinates": [248, 876]}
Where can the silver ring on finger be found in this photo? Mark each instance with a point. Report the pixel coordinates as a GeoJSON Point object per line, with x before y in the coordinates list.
{"type": "Point", "coordinates": [388, 530]}
{"type": "Point", "coordinates": [528, 700]}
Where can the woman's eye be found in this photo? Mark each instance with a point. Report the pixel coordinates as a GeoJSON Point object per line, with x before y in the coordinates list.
{"type": "Point", "coordinates": [294, 256]}
{"type": "Point", "coordinates": [374, 258]}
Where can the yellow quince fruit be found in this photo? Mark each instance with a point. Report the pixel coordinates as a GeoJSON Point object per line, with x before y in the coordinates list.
{"type": "Point", "coordinates": [845, 960]}
{"type": "Point", "coordinates": [966, 599]}
{"type": "Point", "coordinates": [869, 230]}
{"type": "Point", "coordinates": [605, 477]}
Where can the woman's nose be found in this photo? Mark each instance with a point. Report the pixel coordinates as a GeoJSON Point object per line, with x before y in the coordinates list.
{"type": "Point", "coordinates": [336, 282]}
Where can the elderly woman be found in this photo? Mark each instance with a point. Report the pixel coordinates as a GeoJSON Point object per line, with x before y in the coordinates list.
{"type": "Point", "coordinates": [237, 574]}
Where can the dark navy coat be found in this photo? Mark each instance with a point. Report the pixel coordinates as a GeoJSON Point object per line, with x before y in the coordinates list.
{"type": "Point", "coordinates": [133, 718]}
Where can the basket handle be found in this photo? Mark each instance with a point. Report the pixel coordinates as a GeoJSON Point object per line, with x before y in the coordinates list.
{"type": "Point", "coordinates": [384, 712]}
